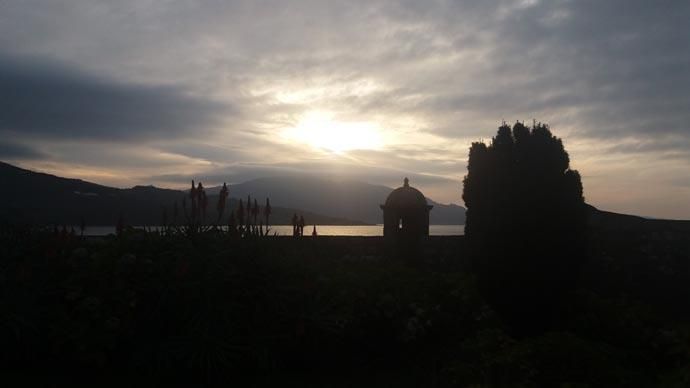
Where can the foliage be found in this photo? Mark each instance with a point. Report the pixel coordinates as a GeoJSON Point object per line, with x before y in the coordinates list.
{"type": "Point", "coordinates": [195, 220]}
{"type": "Point", "coordinates": [218, 310]}
{"type": "Point", "coordinates": [525, 223]}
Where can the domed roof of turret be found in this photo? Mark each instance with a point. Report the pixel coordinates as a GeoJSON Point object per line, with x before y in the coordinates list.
{"type": "Point", "coordinates": [406, 196]}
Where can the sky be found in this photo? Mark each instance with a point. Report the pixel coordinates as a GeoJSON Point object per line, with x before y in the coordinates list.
{"type": "Point", "coordinates": [158, 92]}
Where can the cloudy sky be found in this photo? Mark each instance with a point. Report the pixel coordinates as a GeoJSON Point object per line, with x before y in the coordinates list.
{"type": "Point", "coordinates": [158, 91]}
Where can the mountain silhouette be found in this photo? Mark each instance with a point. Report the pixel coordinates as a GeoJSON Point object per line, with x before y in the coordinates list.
{"type": "Point", "coordinates": [344, 198]}
{"type": "Point", "coordinates": [606, 221]}
{"type": "Point", "coordinates": [36, 198]}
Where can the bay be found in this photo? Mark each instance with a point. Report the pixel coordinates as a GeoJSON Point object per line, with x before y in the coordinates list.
{"type": "Point", "coordinates": [321, 230]}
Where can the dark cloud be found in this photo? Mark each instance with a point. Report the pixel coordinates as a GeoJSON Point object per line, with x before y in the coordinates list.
{"type": "Point", "coordinates": [621, 66]}
{"type": "Point", "coordinates": [16, 151]}
{"type": "Point", "coordinates": [242, 172]}
{"type": "Point", "coordinates": [625, 65]}
{"type": "Point", "coordinates": [40, 98]}
{"type": "Point", "coordinates": [668, 147]}
{"type": "Point", "coordinates": [209, 152]}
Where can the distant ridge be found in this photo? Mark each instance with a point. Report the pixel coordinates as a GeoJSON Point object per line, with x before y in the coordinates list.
{"type": "Point", "coordinates": [610, 221]}
{"type": "Point", "coordinates": [344, 198]}
{"type": "Point", "coordinates": [29, 197]}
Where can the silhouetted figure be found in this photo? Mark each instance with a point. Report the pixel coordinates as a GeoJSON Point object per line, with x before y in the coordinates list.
{"type": "Point", "coordinates": [301, 225]}
{"type": "Point", "coordinates": [313, 232]}
{"type": "Point", "coordinates": [525, 223]}
{"type": "Point", "coordinates": [295, 223]}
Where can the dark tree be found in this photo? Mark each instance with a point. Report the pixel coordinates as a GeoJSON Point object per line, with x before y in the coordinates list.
{"type": "Point", "coordinates": [526, 224]}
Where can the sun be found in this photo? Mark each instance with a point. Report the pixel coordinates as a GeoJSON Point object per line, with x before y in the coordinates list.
{"type": "Point", "coordinates": [319, 130]}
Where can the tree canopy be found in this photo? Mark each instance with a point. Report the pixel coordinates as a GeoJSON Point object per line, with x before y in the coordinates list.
{"type": "Point", "coordinates": [526, 220]}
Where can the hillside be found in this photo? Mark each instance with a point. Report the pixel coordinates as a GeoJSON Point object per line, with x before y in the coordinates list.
{"type": "Point", "coordinates": [606, 221]}
{"type": "Point", "coordinates": [36, 198]}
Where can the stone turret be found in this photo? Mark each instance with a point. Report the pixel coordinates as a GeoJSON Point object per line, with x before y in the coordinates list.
{"type": "Point", "coordinates": [406, 213]}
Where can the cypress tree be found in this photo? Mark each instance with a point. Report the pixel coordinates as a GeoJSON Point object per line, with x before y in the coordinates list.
{"type": "Point", "coordinates": [526, 224]}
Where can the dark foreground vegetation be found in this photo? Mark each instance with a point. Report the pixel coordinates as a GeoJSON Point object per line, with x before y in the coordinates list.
{"type": "Point", "coordinates": [149, 309]}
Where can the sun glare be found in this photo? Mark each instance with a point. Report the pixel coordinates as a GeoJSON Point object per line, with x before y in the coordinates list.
{"type": "Point", "coordinates": [319, 130]}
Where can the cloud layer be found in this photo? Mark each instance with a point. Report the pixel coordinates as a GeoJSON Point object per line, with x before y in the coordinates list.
{"type": "Point", "coordinates": [47, 100]}
{"type": "Point", "coordinates": [208, 89]}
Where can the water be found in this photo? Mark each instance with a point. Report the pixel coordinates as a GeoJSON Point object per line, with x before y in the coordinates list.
{"type": "Point", "coordinates": [322, 230]}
